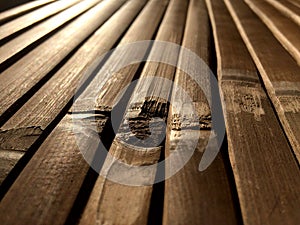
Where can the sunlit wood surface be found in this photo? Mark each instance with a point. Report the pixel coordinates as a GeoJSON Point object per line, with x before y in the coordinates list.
{"type": "Point", "coordinates": [47, 47]}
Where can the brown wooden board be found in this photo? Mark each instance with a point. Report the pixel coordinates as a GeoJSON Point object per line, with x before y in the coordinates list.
{"type": "Point", "coordinates": [285, 30]}
{"type": "Point", "coordinates": [34, 17]}
{"type": "Point", "coordinates": [278, 70]}
{"type": "Point", "coordinates": [26, 73]}
{"type": "Point", "coordinates": [26, 39]}
{"type": "Point", "coordinates": [112, 202]}
{"type": "Point", "coordinates": [191, 196]}
{"type": "Point", "coordinates": [59, 157]}
{"type": "Point", "coordinates": [287, 8]}
{"type": "Point", "coordinates": [22, 9]}
{"type": "Point", "coordinates": [265, 170]}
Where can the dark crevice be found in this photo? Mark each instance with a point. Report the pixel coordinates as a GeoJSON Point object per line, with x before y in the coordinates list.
{"type": "Point", "coordinates": [21, 13]}
{"type": "Point", "coordinates": [27, 49]}
{"type": "Point", "coordinates": [5, 5]}
{"type": "Point", "coordinates": [23, 99]}
{"type": "Point", "coordinates": [224, 148]}
{"type": "Point", "coordinates": [155, 216]}
{"type": "Point", "coordinates": [14, 173]}
{"type": "Point", "coordinates": [276, 113]}
{"type": "Point", "coordinates": [230, 177]}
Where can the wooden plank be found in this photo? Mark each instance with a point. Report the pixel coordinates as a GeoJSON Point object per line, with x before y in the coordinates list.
{"type": "Point", "coordinates": [108, 203]}
{"type": "Point", "coordinates": [277, 68]}
{"type": "Point", "coordinates": [22, 9]}
{"type": "Point", "coordinates": [287, 8]}
{"type": "Point", "coordinates": [257, 144]}
{"type": "Point", "coordinates": [62, 86]}
{"type": "Point", "coordinates": [34, 17]}
{"type": "Point", "coordinates": [295, 2]}
{"type": "Point", "coordinates": [52, 187]}
{"type": "Point", "coordinates": [26, 73]}
{"type": "Point", "coordinates": [189, 192]}
{"type": "Point", "coordinates": [284, 29]}
{"type": "Point", "coordinates": [26, 39]}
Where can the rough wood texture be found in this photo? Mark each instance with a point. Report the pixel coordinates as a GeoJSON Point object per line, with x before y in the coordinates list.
{"type": "Point", "coordinates": [26, 39]}
{"type": "Point", "coordinates": [287, 8]}
{"type": "Point", "coordinates": [191, 196]}
{"type": "Point", "coordinates": [62, 87]}
{"type": "Point", "coordinates": [277, 68]}
{"type": "Point", "coordinates": [34, 17]}
{"type": "Point", "coordinates": [108, 203]}
{"type": "Point", "coordinates": [265, 170]}
{"type": "Point", "coordinates": [284, 29]}
{"type": "Point", "coordinates": [59, 168]}
{"type": "Point", "coordinates": [26, 73]}
{"type": "Point", "coordinates": [22, 9]}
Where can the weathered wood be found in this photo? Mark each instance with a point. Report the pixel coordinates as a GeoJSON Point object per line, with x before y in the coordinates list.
{"type": "Point", "coordinates": [22, 9]}
{"type": "Point", "coordinates": [34, 17]}
{"type": "Point", "coordinates": [277, 68]}
{"type": "Point", "coordinates": [26, 73]}
{"type": "Point", "coordinates": [115, 203]}
{"type": "Point", "coordinates": [287, 8]}
{"type": "Point", "coordinates": [265, 170]}
{"type": "Point", "coordinates": [62, 87]}
{"type": "Point", "coordinates": [24, 40]}
{"type": "Point", "coordinates": [284, 29]}
{"type": "Point", "coordinates": [191, 196]}
{"type": "Point", "coordinates": [53, 177]}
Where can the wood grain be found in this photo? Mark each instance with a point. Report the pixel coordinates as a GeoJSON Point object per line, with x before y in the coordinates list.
{"type": "Point", "coordinates": [265, 170]}
{"type": "Point", "coordinates": [26, 39]}
{"type": "Point", "coordinates": [34, 17]}
{"type": "Point", "coordinates": [277, 68]}
{"type": "Point", "coordinates": [108, 203]}
{"type": "Point", "coordinates": [26, 73]}
{"type": "Point", "coordinates": [283, 29]}
{"type": "Point", "coordinates": [58, 169]}
{"type": "Point", "coordinates": [59, 90]}
{"type": "Point", "coordinates": [287, 8]}
{"type": "Point", "coordinates": [191, 196]}
{"type": "Point", "coordinates": [22, 9]}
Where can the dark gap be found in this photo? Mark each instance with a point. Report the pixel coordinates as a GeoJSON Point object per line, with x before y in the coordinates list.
{"type": "Point", "coordinates": [277, 116]}
{"type": "Point", "coordinates": [14, 173]}
{"type": "Point", "coordinates": [156, 209]}
{"type": "Point", "coordinates": [5, 5]}
{"type": "Point", "coordinates": [22, 100]}
{"type": "Point", "coordinates": [23, 30]}
{"type": "Point", "coordinates": [230, 176]}
{"type": "Point", "coordinates": [107, 138]}
{"type": "Point", "coordinates": [7, 63]}
{"type": "Point", "coordinates": [224, 147]}
{"type": "Point", "coordinates": [21, 13]}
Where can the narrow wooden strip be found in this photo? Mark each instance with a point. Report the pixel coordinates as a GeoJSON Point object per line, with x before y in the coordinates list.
{"type": "Point", "coordinates": [34, 17]}
{"type": "Point", "coordinates": [62, 85]}
{"type": "Point", "coordinates": [52, 179]}
{"type": "Point", "coordinates": [277, 68]}
{"type": "Point", "coordinates": [295, 2]}
{"type": "Point", "coordinates": [110, 201]}
{"type": "Point", "coordinates": [20, 10]}
{"type": "Point", "coordinates": [257, 144]}
{"type": "Point", "coordinates": [189, 191]}
{"type": "Point", "coordinates": [284, 29]}
{"type": "Point", "coordinates": [24, 40]}
{"type": "Point", "coordinates": [287, 8]}
{"type": "Point", "coordinates": [18, 79]}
